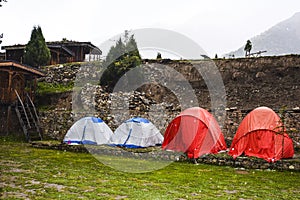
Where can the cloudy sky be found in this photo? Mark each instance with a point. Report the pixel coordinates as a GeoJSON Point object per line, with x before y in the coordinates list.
{"type": "Point", "coordinates": [218, 26]}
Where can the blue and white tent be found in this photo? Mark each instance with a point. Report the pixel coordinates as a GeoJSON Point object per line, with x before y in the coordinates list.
{"type": "Point", "coordinates": [88, 130]}
{"type": "Point", "coordinates": [136, 133]}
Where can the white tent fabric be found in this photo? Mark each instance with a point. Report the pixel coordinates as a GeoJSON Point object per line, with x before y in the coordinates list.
{"type": "Point", "coordinates": [88, 130]}
{"type": "Point", "coordinates": [136, 133]}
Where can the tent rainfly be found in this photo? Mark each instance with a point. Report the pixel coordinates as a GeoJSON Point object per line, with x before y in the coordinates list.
{"type": "Point", "coordinates": [259, 135]}
{"type": "Point", "coordinates": [136, 133]}
{"type": "Point", "coordinates": [195, 132]}
{"type": "Point", "coordinates": [88, 130]}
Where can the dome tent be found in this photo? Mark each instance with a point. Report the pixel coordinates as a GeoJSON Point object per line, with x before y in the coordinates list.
{"type": "Point", "coordinates": [88, 130]}
{"type": "Point", "coordinates": [136, 133]}
{"type": "Point", "coordinates": [259, 135]}
{"type": "Point", "coordinates": [195, 132]}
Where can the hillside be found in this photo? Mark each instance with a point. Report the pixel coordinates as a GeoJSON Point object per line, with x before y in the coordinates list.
{"type": "Point", "coordinates": [283, 38]}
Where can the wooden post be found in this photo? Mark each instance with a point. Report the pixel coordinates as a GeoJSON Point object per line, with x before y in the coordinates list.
{"type": "Point", "coordinates": [9, 86]}
{"type": "Point", "coordinates": [8, 120]}
{"type": "Point", "coordinates": [34, 89]}
{"type": "Point", "coordinates": [30, 88]}
{"type": "Point", "coordinates": [90, 56]}
{"type": "Point", "coordinates": [58, 61]}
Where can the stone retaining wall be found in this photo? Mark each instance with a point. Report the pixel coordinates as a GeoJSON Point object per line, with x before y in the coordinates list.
{"type": "Point", "coordinates": [251, 163]}
{"type": "Point", "coordinates": [249, 83]}
{"type": "Point", "coordinates": [155, 153]}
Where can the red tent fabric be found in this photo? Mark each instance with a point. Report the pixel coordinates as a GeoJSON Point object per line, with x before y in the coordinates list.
{"type": "Point", "coordinates": [258, 136]}
{"type": "Point", "coordinates": [195, 132]}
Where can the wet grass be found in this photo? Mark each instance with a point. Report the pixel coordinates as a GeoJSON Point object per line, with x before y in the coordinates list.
{"type": "Point", "coordinates": [33, 173]}
{"type": "Point", "coordinates": [46, 88]}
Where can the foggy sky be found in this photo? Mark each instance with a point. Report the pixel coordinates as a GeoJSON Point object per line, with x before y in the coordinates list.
{"type": "Point", "coordinates": [218, 26]}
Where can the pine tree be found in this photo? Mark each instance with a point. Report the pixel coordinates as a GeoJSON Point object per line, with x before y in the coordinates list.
{"type": "Point", "coordinates": [121, 57]}
{"type": "Point", "coordinates": [131, 47]}
{"type": "Point", "coordinates": [36, 51]}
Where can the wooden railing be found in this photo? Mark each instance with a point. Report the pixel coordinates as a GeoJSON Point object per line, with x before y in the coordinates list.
{"type": "Point", "coordinates": [28, 118]}
{"type": "Point", "coordinates": [8, 96]}
{"type": "Point", "coordinates": [23, 108]}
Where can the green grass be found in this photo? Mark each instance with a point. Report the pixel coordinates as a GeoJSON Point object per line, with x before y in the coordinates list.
{"type": "Point", "coordinates": [33, 173]}
{"type": "Point", "coordinates": [45, 88]}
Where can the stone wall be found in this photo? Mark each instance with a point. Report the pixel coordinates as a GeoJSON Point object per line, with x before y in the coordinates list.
{"type": "Point", "coordinates": [156, 153]}
{"type": "Point", "coordinates": [249, 83]}
{"type": "Point", "coordinates": [61, 74]}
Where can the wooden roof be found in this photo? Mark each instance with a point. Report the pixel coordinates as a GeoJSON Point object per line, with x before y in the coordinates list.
{"type": "Point", "coordinates": [68, 51]}
{"type": "Point", "coordinates": [65, 44]}
{"type": "Point", "coordinates": [7, 63]}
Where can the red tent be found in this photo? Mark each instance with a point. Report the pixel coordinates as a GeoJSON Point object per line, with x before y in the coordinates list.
{"type": "Point", "coordinates": [259, 135]}
{"type": "Point", "coordinates": [195, 132]}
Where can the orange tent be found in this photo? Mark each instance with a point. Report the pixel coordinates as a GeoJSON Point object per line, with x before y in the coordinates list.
{"type": "Point", "coordinates": [195, 132]}
{"type": "Point", "coordinates": [259, 135]}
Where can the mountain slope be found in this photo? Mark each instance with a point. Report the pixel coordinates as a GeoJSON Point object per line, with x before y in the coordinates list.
{"type": "Point", "coordinates": [283, 38]}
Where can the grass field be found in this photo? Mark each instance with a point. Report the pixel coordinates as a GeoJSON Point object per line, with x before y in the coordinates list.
{"type": "Point", "coordinates": [31, 173]}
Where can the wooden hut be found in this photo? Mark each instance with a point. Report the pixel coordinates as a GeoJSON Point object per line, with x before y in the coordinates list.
{"type": "Point", "coordinates": [61, 52]}
{"type": "Point", "coordinates": [17, 91]}
{"type": "Point", "coordinates": [71, 51]}
{"type": "Point", "coordinates": [17, 78]}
